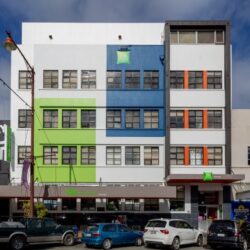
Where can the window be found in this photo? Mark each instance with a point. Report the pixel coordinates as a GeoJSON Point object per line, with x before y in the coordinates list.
{"type": "Point", "coordinates": [113, 118]}
{"type": "Point", "coordinates": [114, 79]}
{"type": "Point", "coordinates": [151, 155]}
{"type": "Point", "coordinates": [214, 155]}
{"type": "Point", "coordinates": [24, 118]}
{"type": "Point", "coordinates": [69, 204]}
{"type": "Point", "coordinates": [219, 36]}
{"type": "Point", "coordinates": [113, 204]}
{"type": "Point", "coordinates": [88, 204]}
{"type": "Point", "coordinates": [88, 155]}
{"type": "Point", "coordinates": [195, 79]}
{"type": "Point", "coordinates": [132, 118]}
{"type": "Point", "coordinates": [151, 205]}
{"type": "Point", "coordinates": [177, 155]}
{"type": "Point", "coordinates": [50, 79]}
{"type": "Point", "coordinates": [25, 78]}
{"type": "Point", "coordinates": [248, 155]}
{"type": "Point", "coordinates": [50, 118]}
{"type": "Point", "coordinates": [69, 155]}
{"type": "Point", "coordinates": [113, 156]}
{"type": "Point", "coordinates": [196, 156]}
{"type": "Point", "coordinates": [176, 119]}
{"type": "Point", "coordinates": [69, 118]}
{"type": "Point", "coordinates": [151, 119]}
{"type": "Point", "coordinates": [24, 152]}
{"type": "Point", "coordinates": [88, 118]}
{"type": "Point", "coordinates": [151, 79]}
{"type": "Point", "coordinates": [109, 228]}
{"type": "Point", "coordinates": [177, 79]}
{"type": "Point", "coordinates": [51, 204]}
{"type": "Point", "coordinates": [214, 80]}
{"type": "Point", "coordinates": [50, 155]}
{"type": "Point", "coordinates": [69, 79]}
{"type": "Point", "coordinates": [20, 203]}
{"type": "Point", "coordinates": [195, 118]}
{"type": "Point", "coordinates": [178, 203]}
{"type": "Point", "coordinates": [132, 79]}
{"type": "Point", "coordinates": [214, 119]}
{"type": "Point", "coordinates": [132, 205]}
{"type": "Point", "coordinates": [187, 37]}
{"type": "Point", "coordinates": [132, 155]}
{"type": "Point", "coordinates": [206, 36]}
{"type": "Point", "coordinates": [88, 79]}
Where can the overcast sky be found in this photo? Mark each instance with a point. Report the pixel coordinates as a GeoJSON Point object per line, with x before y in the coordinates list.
{"type": "Point", "coordinates": [14, 12]}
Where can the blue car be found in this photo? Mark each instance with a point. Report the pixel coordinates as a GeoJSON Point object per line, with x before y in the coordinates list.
{"type": "Point", "coordinates": [106, 235]}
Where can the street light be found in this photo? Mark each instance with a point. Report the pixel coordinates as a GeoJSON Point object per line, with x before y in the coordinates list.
{"type": "Point", "coordinates": [11, 45]}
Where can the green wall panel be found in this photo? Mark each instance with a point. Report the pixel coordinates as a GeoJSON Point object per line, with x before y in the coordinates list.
{"type": "Point", "coordinates": [63, 137]}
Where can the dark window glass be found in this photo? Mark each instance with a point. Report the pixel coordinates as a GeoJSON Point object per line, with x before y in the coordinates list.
{"type": "Point", "coordinates": [50, 79]}
{"type": "Point", "coordinates": [24, 153]}
{"type": "Point", "coordinates": [50, 155]}
{"type": "Point", "coordinates": [69, 118]}
{"type": "Point", "coordinates": [195, 118]}
{"type": "Point", "coordinates": [88, 155]}
{"type": "Point", "coordinates": [132, 155]}
{"type": "Point", "coordinates": [88, 204]}
{"type": "Point", "coordinates": [113, 204]}
{"type": "Point", "coordinates": [132, 118]}
{"type": "Point", "coordinates": [113, 118]}
{"type": "Point", "coordinates": [176, 119]}
{"type": "Point", "coordinates": [178, 203]}
{"type": "Point", "coordinates": [114, 79]}
{"type": "Point", "coordinates": [187, 37]}
{"type": "Point", "coordinates": [177, 79]}
{"type": "Point", "coordinates": [132, 205]}
{"type": "Point", "coordinates": [215, 156]}
{"type": "Point", "coordinates": [25, 79]}
{"type": "Point", "coordinates": [69, 79]}
{"type": "Point", "coordinates": [151, 205]}
{"type": "Point", "coordinates": [214, 119]}
{"type": "Point", "coordinates": [88, 119]}
{"type": "Point", "coordinates": [206, 36]}
{"type": "Point", "coordinates": [69, 155]}
{"type": "Point", "coordinates": [109, 228]}
{"type": "Point", "coordinates": [195, 79]}
{"type": "Point", "coordinates": [151, 79]}
{"type": "Point", "coordinates": [219, 36]}
{"type": "Point", "coordinates": [156, 223]}
{"type": "Point", "coordinates": [176, 155]}
{"type": "Point", "coordinates": [51, 204]}
{"type": "Point", "coordinates": [214, 80]}
{"type": "Point", "coordinates": [24, 118]}
{"type": "Point", "coordinates": [50, 118]}
{"type": "Point", "coordinates": [132, 79]}
{"type": "Point", "coordinates": [88, 79]}
{"type": "Point", "coordinates": [69, 204]}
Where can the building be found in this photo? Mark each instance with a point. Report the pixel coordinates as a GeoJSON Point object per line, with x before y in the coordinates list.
{"type": "Point", "coordinates": [131, 119]}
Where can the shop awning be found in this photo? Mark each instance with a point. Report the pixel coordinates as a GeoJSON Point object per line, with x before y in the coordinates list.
{"type": "Point", "coordinates": [175, 179]}
{"type": "Point", "coordinates": [68, 191]}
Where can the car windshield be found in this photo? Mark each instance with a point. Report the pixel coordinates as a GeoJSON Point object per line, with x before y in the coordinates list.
{"type": "Point", "coordinates": [222, 224]}
{"type": "Point", "coordinates": [156, 223]}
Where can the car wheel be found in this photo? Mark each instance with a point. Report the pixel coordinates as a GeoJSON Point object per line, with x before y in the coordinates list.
{"type": "Point", "coordinates": [138, 242]}
{"type": "Point", "coordinates": [107, 244]}
{"type": "Point", "coordinates": [244, 245]}
{"type": "Point", "coordinates": [68, 240]}
{"type": "Point", "coordinates": [17, 242]}
{"type": "Point", "coordinates": [200, 241]}
{"type": "Point", "coordinates": [175, 244]}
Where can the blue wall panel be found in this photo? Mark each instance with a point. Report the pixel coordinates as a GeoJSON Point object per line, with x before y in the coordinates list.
{"type": "Point", "coordinates": [142, 57]}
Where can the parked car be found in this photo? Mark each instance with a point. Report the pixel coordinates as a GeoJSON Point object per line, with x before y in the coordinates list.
{"type": "Point", "coordinates": [107, 235]}
{"type": "Point", "coordinates": [228, 233]}
{"type": "Point", "coordinates": [171, 232]}
{"type": "Point", "coordinates": [35, 231]}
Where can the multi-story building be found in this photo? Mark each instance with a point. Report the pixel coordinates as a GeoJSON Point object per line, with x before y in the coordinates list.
{"type": "Point", "coordinates": [130, 119]}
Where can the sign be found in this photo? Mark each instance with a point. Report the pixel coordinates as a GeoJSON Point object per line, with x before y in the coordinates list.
{"type": "Point", "coordinates": [240, 211]}
{"type": "Point", "coordinates": [208, 176]}
{"type": "Point", "coordinates": [123, 57]}
{"type": "Point", "coordinates": [72, 192]}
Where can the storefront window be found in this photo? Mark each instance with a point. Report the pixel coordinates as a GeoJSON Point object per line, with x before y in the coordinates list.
{"type": "Point", "coordinates": [178, 203]}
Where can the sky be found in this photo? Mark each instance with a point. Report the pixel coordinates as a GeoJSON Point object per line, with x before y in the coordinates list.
{"type": "Point", "coordinates": [14, 12]}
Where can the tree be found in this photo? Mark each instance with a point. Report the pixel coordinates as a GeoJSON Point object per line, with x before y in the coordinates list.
{"type": "Point", "coordinates": [40, 209]}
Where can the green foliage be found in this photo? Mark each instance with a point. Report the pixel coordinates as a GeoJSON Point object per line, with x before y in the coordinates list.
{"type": "Point", "coordinates": [40, 209]}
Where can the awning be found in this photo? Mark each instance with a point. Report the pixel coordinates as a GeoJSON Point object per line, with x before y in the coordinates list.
{"type": "Point", "coordinates": [198, 178]}
{"type": "Point", "coordinates": [68, 191]}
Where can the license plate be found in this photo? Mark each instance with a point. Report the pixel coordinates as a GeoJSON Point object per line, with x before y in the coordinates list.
{"type": "Point", "coordinates": [221, 235]}
{"type": "Point", "coordinates": [87, 235]}
{"type": "Point", "coordinates": [153, 232]}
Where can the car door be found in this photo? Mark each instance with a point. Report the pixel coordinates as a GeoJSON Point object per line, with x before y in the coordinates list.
{"type": "Point", "coordinates": [35, 231]}
{"type": "Point", "coordinates": [52, 230]}
{"type": "Point", "coordinates": [110, 231]}
{"type": "Point", "coordinates": [126, 234]}
{"type": "Point", "coordinates": [189, 234]}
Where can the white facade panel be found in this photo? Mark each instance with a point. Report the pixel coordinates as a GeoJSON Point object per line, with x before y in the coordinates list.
{"type": "Point", "coordinates": [197, 98]}
{"type": "Point", "coordinates": [196, 170]}
{"type": "Point", "coordinates": [93, 33]}
{"type": "Point", "coordinates": [197, 137]}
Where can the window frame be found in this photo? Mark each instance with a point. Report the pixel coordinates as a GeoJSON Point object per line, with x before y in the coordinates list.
{"type": "Point", "coordinates": [53, 80]}
{"type": "Point", "coordinates": [132, 79]}
{"type": "Point", "coordinates": [27, 79]}
{"type": "Point", "coordinates": [152, 116]}
{"type": "Point", "coordinates": [214, 79]}
{"type": "Point", "coordinates": [194, 152]}
{"type": "Point", "coordinates": [212, 119]}
{"type": "Point", "coordinates": [88, 79]}
{"type": "Point", "coordinates": [195, 119]}
{"type": "Point", "coordinates": [177, 156]}
{"type": "Point", "coordinates": [151, 81]}
{"type": "Point", "coordinates": [214, 156]}
{"type": "Point", "coordinates": [195, 79]}
{"type": "Point", "coordinates": [53, 159]}
{"type": "Point", "coordinates": [72, 151]}
{"type": "Point", "coordinates": [132, 155]}
{"type": "Point", "coordinates": [152, 161]}
{"type": "Point", "coordinates": [176, 121]}
{"type": "Point", "coordinates": [71, 124]}
{"type": "Point", "coordinates": [88, 157]}
{"type": "Point", "coordinates": [27, 152]}
{"type": "Point", "coordinates": [176, 79]}
{"type": "Point", "coordinates": [53, 123]}
{"type": "Point", "coordinates": [27, 118]}
{"type": "Point", "coordinates": [178, 203]}
{"type": "Point", "coordinates": [114, 81]}
{"type": "Point", "coordinates": [116, 120]}
{"type": "Point", "coordinates": [114, 155]}
{"type": "Point", "coordinates": [134, 115]}
{"type": "Point", "coordinates": [69, 79]}
{"type": "Point", "coordinates": [90, 115]}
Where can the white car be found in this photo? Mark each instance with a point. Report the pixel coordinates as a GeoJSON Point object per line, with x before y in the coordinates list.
{"type": "Point", "coordinates": [171, 232]}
